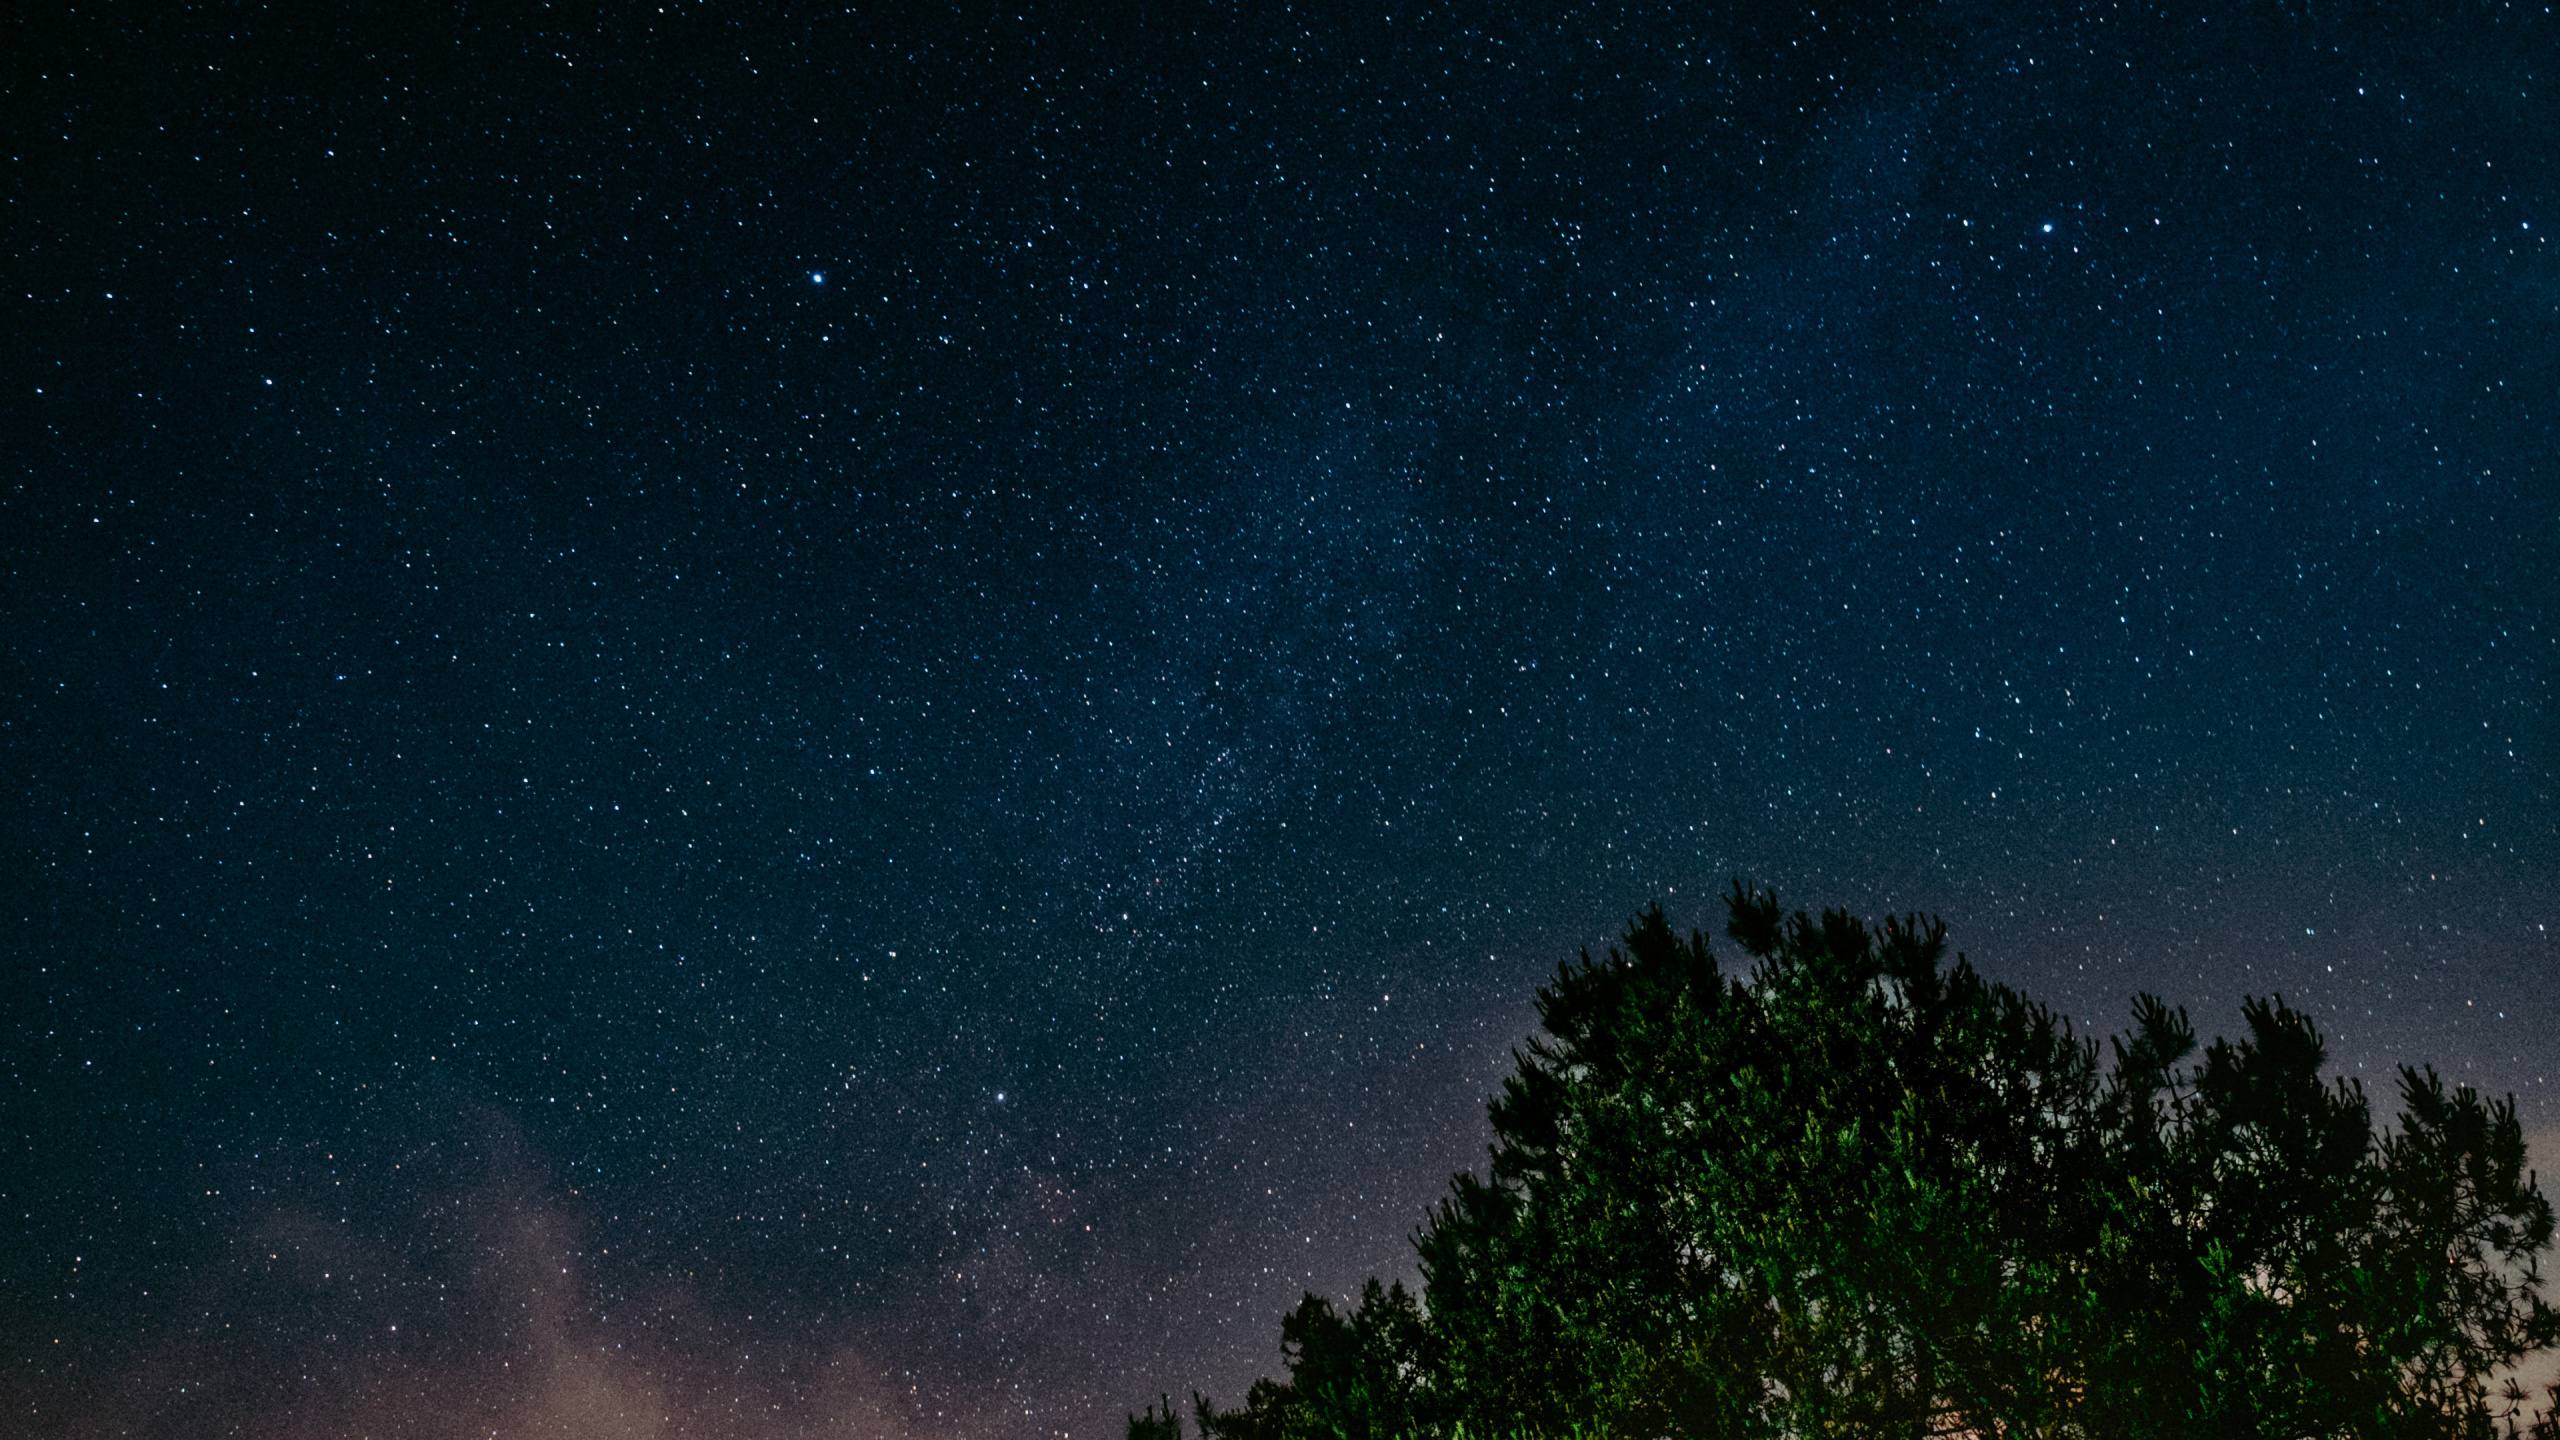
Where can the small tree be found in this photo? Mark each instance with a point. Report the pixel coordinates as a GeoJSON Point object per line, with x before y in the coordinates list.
{"type": "Point", "coordinates": [1159, 1423]}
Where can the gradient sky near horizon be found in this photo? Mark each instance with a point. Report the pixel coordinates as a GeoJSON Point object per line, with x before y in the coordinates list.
{"type": "Point", "coordinates": [760, 721]}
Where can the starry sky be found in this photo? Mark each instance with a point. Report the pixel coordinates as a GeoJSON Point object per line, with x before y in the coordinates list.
{"type": "Point", "coordinates": [872, 721]}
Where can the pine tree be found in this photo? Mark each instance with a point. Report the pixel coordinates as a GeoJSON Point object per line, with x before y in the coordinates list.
{"type": "Point", "coordinates": [1857, 1190]}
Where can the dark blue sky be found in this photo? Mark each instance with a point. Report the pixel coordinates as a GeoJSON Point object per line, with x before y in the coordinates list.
{"type": "Point", "coordinates": [838, 723]}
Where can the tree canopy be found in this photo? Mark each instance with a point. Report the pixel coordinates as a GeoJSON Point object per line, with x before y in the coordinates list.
{"type": "Point", "coordinates": [1855, 1190]}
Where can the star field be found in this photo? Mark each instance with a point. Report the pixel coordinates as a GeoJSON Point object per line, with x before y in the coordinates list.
{"type": "Point", "coordinates": [866, 722]}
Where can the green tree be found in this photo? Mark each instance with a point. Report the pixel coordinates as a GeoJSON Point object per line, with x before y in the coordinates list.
{"type": "Point", "coordinates": [1158, 1423]}
{"type": "Point", "coordinates": [1356, 1377]}
{"type": "Point", "coordinates": [2276, 1268]}
{"type": "Point", "coordinates": [1858, 1190]}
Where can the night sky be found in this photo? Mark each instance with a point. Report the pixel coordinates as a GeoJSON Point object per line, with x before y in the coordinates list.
{"type": "Point", "coordinates": [873, 722]}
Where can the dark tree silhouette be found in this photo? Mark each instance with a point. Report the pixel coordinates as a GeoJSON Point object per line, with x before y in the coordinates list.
{"type": "Point", "coordinates": [1157, 1423]}
{"type": "Point", "coordinates": [1856, 1190]}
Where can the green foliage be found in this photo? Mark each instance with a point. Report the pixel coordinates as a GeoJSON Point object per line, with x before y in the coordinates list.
{"type": "Point", "coordinates": [1355, 1378]}
{"type": "Point", "coordinates": [1859, 1191]}
{"type": "Point", "coordinates": [1156, 1424]}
